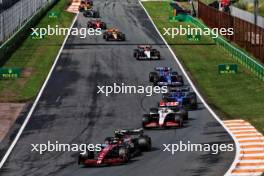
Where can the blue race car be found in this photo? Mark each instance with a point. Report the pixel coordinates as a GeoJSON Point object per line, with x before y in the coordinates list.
{"type": "Point", "coordinates": [186, 99]}
{"type": "Point", "coordinates": [164, 76]}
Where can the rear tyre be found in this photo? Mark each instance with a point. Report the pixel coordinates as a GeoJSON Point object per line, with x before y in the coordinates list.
{"type": "Point", "coordinates": [180, 123]}
{"type": "Point", "coordinates": [158, 55]}
{"type": "Point", "coordinates": [135, 52]}
{"type": "Point", "coordinates": [145, 121]}
{"type": "Point", "coordinates": [144, 143]}
{"type": "Point", "coordinates": [153, 110]}
{"type": "Point", "coordinates": [180, 79]}
{"type": "Point", "coordinates": [123, 37]}
{"type": "Point", "coordinates": [184, 114]}
{"type": "Point", "coordinates": [193, 101]}
{"type": "Point", "coordinates": [174, 73]}
{"type": "Point", "coordinates": [89, 25]}
{"type": "Point", "coordinates": [96, 15]}
{"type": "Point", "coordinates": [153, 76]}
{"type": "Point", "coordinates": [103, 26]}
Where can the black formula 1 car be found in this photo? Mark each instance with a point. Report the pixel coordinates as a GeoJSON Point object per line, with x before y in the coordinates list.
{"type": "Point", "coordinates": [183, 96]}
{"type": "Point", "coordinates": [87, 2]}
{"type": "Point", "coordinates": [167, 115]}
{"type": "Point", "coordinates": [95, 24]}
{"type": "Point", "coordinates": [85, 5]}
{"type": "Point", "coordinates": [146, 52]}
{"type": "Point", "coordinates": [91, 13]}
{"type": "Point", "coordinates": [164, 76]}
{"type": "Point", "coordinates": [113, 34]}
{"type": "Point", "coordinates": [118, 149]}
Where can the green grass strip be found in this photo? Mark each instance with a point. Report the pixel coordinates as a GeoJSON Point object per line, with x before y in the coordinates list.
{"type": "Point", "coordinates": [35, 56]}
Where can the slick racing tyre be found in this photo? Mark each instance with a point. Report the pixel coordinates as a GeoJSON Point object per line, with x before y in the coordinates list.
{"type": "Point", "coordinates": [154, 110]}
{"type": "Point", "coordinates": [144, 143]}
{"type": "Point", "coordinates": [153, 76]}
{"type": "Point", "coordinates": [108, 140]}
{"type": "Point", "coordinates": [193, 101]}
{"type": "Point", "coordinates": [174, 73]}
{"type": "Point", "coordinates": [103, 26]}
{"type": "Point", "coordinates": [96, 15]}
{"type": "Point", "coordinates": [123, 37]}
{"type": "Point", "coordinates": [135, 54]}
{"type": "Point", "coordinates": [86, 155]}
{"type": "Point", "coordinates": [184, 114]}
{"type": "Point", "coordinates": [124, 154]}
{"type": "Point", "coordinates": [179, 120]}
{"type": "Point", "coordinates": [145, 121]}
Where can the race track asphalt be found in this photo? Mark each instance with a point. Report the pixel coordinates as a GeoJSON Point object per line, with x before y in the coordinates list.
{"type": "Point", "coordinates": [71, 111]}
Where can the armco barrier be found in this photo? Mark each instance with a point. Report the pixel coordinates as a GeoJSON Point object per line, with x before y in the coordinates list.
{"type": "Point", "coordinates": [14, 42]}
{"type": "Point", "coordinates": [236, 53]}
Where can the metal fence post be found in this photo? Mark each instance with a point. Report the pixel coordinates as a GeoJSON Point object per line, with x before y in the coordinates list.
{"type": "Point", "coordinates": [1, 27]}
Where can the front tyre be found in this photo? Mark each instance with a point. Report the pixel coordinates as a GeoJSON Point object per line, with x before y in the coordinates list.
{"type": "Point", "coordinates": [124, 154]}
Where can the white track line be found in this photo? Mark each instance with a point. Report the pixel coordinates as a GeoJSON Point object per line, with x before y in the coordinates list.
{"type": "Point", "coordinates": [250, 161]}
{"type": "Point", "coordinates": [200, 97]}
{"type": "Point", "coordinates": [233, 121]}
{"type": "Point", "coordinates": [246, 155]}
{"type": "Point", "coordinates": [244, 131]}
{"type": "Point", "coordinates": [252, 149]}
{"type": "Point", "coordinates": [251, 143]}
{"type": "Point", "coordinates": [242, 136]}
{"type": "Point", "coordinates": [250, 167]}
{"type": "Point", "coordinates": [35, 102]}
{"type": "Point", "coordinates": [244, 128]}
{"type": "Point", "coordinates": [253, 138]}
{"type": "Point", "coordinates": [247, 174]}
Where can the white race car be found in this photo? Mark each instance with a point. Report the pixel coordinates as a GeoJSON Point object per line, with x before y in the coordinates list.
{"type": "Point", "coordinates": [146, 52]}
{"type": "Point", "coordinates": [165, 117]}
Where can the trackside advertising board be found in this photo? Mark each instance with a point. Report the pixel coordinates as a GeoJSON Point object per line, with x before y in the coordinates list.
{"type": "Point", "coordinates": [8, 73]}
{"type": "Point", "coordinates": [227, 68]}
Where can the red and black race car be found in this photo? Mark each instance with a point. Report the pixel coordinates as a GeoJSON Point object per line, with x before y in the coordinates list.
{"type": "Point", "coordinates": [114, 35]}
{"type": "Point", "coordinates": [95, 24]}
{"type": "Point", "coordinates": [118, 149]}
{"type": "Point", "coordinates": [111, 153]}
{"type": "Point", "coordinates": [146, 52]}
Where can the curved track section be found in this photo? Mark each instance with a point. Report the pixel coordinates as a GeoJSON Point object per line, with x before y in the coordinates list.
{"type": "Point", "coordinates": [71, 111]}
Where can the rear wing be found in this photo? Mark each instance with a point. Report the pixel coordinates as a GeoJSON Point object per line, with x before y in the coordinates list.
{"type": "Point", "coordinates": [175, 83]}
{"type": "Point", "coordinates": [180, 89]}
{"type": "Point", "coordinates": [112, 29]}
{"type": "Point", "coordinates": [129, 131]}
{"type": "Point", "coordinates": [144, 46]}
{"type": "Point", "coordinates": [177, 94]}
{"type": "Point", "coordinates": [168, 104]}
{"type": "Point", "coordinates": [163, 68]}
